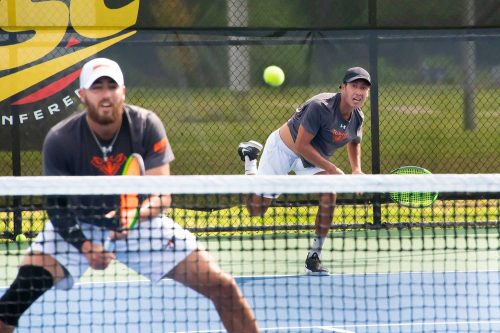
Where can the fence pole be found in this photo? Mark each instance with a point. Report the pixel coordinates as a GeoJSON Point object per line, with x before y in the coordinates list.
{"type": "Point", "coordinates": [469, 67]}
{"type": "Point", "coordinates": [15, 148]}
{"type": "Point", "coordinates": [375, 128]}
{"type": "Point", "coordinates": [16, 171]}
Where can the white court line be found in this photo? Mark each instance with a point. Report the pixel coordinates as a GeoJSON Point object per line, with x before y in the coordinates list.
{"type": "Point", "coordinates": [334, 329]}
{"type": "Point", "coordinates": [342, 330]}
{"type": "Point", "coordinates": [257, 277]}
{"type": "Point", "coordinates": [117, 282]}
{"type": "Point", "coordinates": [429, 323]}
{"type": "Point", "coordinates": [262, 329]}
{"type": "Point", "coordinates": [326, 328]}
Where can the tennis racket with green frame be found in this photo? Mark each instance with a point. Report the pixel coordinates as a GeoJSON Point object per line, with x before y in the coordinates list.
{"type": "Point", "coordinates": [413, 199]}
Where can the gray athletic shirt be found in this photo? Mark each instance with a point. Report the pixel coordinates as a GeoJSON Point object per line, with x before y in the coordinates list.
{"type": "Point", "coordinates": [70, 149]}
{"type": "Point", "coordinates": [320, 116]}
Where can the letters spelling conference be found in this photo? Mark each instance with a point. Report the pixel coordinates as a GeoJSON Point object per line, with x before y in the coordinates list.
{"type": "Point", "coordinates": [39, 114]}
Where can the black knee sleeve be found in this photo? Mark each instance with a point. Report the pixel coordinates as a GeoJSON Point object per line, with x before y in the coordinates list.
{"type": "Point", "coordinates": [30, 283]}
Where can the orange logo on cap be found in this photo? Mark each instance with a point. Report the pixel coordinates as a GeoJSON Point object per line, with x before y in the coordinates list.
{"type": "Point", "coordinates": [100, 65]}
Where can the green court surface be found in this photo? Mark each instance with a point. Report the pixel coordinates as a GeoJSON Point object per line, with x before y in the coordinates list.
{"type": "Point", "coordinates": [345, 252]}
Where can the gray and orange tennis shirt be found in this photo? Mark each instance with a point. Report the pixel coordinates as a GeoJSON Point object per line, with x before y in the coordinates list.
{"type": "Point", "coordinates": [70, 149]}
{"type": "Point", "coordinates": [320, 115]}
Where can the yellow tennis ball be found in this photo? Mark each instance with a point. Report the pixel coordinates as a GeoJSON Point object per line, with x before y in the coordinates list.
{"type": "Point", "coordinates": [274, 76]}
{"type": "Point", "coordinates": [21, 238]}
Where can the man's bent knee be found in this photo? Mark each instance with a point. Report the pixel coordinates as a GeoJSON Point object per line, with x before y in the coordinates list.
{"type": "Point", "coordinates": [46, 261]}
{"type": "Point", "coordinates": [31, 283]}
{"type": "Point", "coordinates": [258, 205]}
{"type": "Point", "coordinates": [4, 328]}
{"type": "Point", "coordinates": [225, 293]}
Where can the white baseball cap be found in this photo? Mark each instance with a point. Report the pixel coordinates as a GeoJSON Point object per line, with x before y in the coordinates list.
{"type": "Point", "coordinates": [97, 68]}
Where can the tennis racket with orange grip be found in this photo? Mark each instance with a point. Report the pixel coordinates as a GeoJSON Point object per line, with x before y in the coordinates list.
{"type": "Point", "coordinates": [130, 203]}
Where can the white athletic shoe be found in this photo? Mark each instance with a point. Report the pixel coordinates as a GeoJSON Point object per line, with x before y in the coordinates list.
{"type": "Point", "coordinates": [251, 149]}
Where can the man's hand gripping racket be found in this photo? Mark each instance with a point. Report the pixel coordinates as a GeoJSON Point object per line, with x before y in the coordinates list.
{"type": "Point", "coordinates": [128, 214]}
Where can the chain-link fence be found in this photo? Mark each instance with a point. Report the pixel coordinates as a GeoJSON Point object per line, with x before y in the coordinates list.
{"type": "Point", "coordinates": [434, 102]}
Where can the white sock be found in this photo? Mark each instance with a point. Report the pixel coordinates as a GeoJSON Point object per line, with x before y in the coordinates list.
{"type": "Point", "coordinates": [317, 245]}
{"type": "Point", "coordinates": [250, 166]}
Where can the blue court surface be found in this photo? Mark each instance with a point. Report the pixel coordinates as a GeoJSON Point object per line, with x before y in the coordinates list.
{"type": "Point", "coordinates": [374, 303]}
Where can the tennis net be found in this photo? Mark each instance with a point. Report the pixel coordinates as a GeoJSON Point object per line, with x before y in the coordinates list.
{"type": "Point", "coordinates": [416, 265]}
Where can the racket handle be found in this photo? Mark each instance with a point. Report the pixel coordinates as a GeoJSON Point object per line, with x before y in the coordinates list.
{"type": "Point", "coordinates": [109, 245]}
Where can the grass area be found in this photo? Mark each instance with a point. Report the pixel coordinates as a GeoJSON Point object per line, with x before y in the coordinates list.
{"type": "Point", "coordinates": [429, 131]}
{"type": "Point", "coordinates": [31, 163]}
{"type": "Point", "coordinates": [419, 125]}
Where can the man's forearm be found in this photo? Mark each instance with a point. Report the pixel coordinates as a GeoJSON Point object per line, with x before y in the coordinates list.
{"type": "Point", "coordinates": [314, 157]}
{"type": "Point", "coordinates": [354, 153]}
{"type": "Point", "coordinates": [64, 221]}
{"type": "Point", "coordinates": [154, 206]}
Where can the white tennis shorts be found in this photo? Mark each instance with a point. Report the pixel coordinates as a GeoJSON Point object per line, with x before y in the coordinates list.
{"type": "Point", "coordinates": [152, 249]}
{"type": "Point", "coordinates": [278, 159]}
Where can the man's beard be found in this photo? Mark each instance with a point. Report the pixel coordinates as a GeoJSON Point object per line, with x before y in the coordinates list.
{"type": "Point", "coordinates": [104, 119]}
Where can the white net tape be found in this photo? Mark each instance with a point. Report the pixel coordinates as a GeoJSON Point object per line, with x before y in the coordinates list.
{"type": "Point", "coordinates": [470, 183]}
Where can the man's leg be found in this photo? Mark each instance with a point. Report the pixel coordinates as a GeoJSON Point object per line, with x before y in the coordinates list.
{"type": "Point", "coordinates": [200, 272]}
{"type": "Point", "coordinates": [323, 222]}
{"type": "Point", "coordinates": [257, 205]}
{"type": "Point", "coordinates": [249, 152]}
{"type": "Point", "coordinates": [37, 274]}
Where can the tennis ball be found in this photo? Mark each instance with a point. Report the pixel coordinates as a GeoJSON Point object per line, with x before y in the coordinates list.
{"type": "Point", "coordinates": [274, 76]}
{"type": "Point", "coordinates": [21, 238]}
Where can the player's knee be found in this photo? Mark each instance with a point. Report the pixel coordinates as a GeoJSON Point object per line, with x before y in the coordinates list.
{"type": "Point", "coordinates": [4, 328]}
{"type": "Point", "coordinates": [257, 206]}
{"type": "Point", "coordinates": [225, 292]}
{"type": "Point", "coordinates": [328, 199]}
{"type": "Point", "coordinates": [255, 210]}
{"type": "Point", "coordinates": [30, 283]}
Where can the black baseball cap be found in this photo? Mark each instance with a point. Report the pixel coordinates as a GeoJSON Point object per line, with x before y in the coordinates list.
{"type": "Point", "coordinates": [357, 73]}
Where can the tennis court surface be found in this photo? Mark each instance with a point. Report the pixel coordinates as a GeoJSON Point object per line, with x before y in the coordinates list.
{"type": "Point", "coordinates": [392, 268]}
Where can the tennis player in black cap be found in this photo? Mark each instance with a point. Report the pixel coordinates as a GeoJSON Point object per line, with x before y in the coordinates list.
{"type": "Point", "coordinates": [305, 145]}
